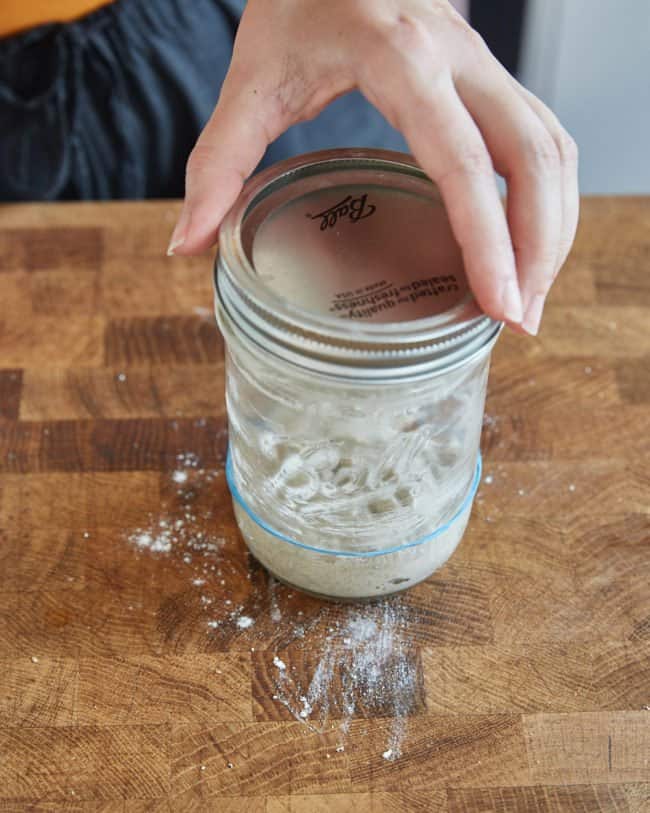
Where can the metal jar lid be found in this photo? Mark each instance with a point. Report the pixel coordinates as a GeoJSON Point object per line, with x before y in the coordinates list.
{"type": "Point", "coordinates": [343, 262]}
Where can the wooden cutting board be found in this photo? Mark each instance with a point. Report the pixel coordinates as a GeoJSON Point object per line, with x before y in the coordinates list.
{"type": "Point", "coordinates": [147, 663]}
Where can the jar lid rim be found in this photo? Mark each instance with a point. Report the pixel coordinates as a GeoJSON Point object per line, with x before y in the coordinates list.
{"type": "Point", "coordinates": [255, 308]}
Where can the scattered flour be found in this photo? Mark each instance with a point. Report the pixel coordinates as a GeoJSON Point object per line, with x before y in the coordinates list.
{"type": "Point", "coordinates": [204, 313]}
{"type": "Point", "coordinates": [490, 421]}
{"type": "Point", "coordinates": [364, 665]}
{"type": "Point", "coordinates": [187, 460]}
{"type": "Point", "coordinates": [274, 610]}
{"type": "Point", "coordinates": [158, 543]}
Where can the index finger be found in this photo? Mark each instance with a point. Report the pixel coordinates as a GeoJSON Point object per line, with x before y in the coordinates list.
{"type": "Point", "coordinates": [231, 145]}
{"type": "Point", "coordinates": [450, 148]}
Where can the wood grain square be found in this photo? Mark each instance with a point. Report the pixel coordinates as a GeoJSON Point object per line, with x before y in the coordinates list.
{"type": "Point", "coordinates": [11, 385]}
{"type": "Point", "coordinates": [404, 802]}
{"type": "Point", "coordinates": [19, 447]}
{"type": "Point", "coordinates": [109, 445]}
{"type": "Point", "coordinates": [45, 625]}
{"type": "Point", "coordinates": [569, 434]}
{"type": "Point", "coordinates": [621, 600]}
{"type": "Point", "coordinates": [575, 284]}
{"type": "Point", "coordinates": [31, 559]}
{"type": "Point", "coordinates": [113, 763]}
{"type": "Point", "coordinates": [541, 799]}
{"type": "Point", "coordinates": [542, 545]}
{"type": "Point", "coordinates": [41, 341]}
{"type": "Point", "coordinates": [620, 544]}
{"type": "Point", "coordinates": [327, 803]}
{"type": "Point", "coordinates": [133, 246]}
{"type": "Point", "coordinates": [12, 250]}
{"type": "Point", "coordinates": [259, 758]}
{"type": "Point", "coordinates": [460, 751]}
{"type": "Point", "coordinates": [157, 581]}
{"type": "Point", "coordinates": [641, 630]}
{"type": "Point", "coordinates": [638, 797]}
{"type": "Point", "coordinates": [179, 689]}
{"type": "Point", "coordinates": [16, 294]}
{"type": "Point", "coordinates": [453, 611]}
{"type": "Point", "coordinates": [13, 806]}
{"type": "Point", "coordinates": [162, 340]}
{"type": "Point", "coordinates": [189, 802]}
{"type": "Point", "coordinates": [68, 805]}
{"type": "Point", "coordinates": [37, 691]}
{"type": "Point", "coordinates": [116, 215]}
{"type": "Point", "coordinates": [622, 674]}
{"type": "Point", "coordinates": [65, 293]}
{"type": "Point", "coordinates": [493, 679]}
{"type": "Point", "coordinates": [604, 747]}
{"type": "Point", "coordinates": [560, 615]}
{"type": "Point", "coordinates": [133, 231]}
{"type": "Point", "coordinates": [541, 384]}
{"type": "Point", "coordinates": [633, 379]}
{"type": "Point", "coordinates": [177, 601]}
{"type": "Point", "coordinates": [78, 503]}
{"type": "Point", "coordinates": [65, 249]}
{"type": "Point", "coordinates": [617, 280]}
{"type": "Point", "coordinates": [609, 331]}
{"type": "Point", "coordinates": [150, 392]}
{"type": "Point", "coordinates": [82, 623]}
{"type": "Point", "coordinates": [158, 286]}
{"type": "Point", "coordinates": [560, 496]}
{"type": "Point", "coordinates": [612, 244]}
{"type": "Point", "coordinates": [137, 445]}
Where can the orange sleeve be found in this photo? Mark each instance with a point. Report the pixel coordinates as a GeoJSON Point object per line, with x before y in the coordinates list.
{"type": "Point", "coordinates": [19, 15]}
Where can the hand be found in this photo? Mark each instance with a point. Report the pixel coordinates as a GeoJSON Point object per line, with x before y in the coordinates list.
{"type": "Point", "coordinates": [434, 79]}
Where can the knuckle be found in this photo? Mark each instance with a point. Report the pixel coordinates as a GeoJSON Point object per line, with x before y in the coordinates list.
{"type": "Point", "coordinates": [405, 35]}
{"type": "Point", "coordinates": [567, 148]}
{"type": "Point", "coordinates": [471, 48]}
{"type": "Point", "coordinates": [473, 40]}
{"type": "Point", "coordinates": [198, 159]}
{"type": "Point", "coordinates": [472, 161]}
{"type": "Point", "coordinates": [566, 245]}
{"type": "Point", "coordinates": [542, 153]}
{"type": "Point", "coordinates": [543, 257]}
{"type": "Point", "coordinates": [547, 257]}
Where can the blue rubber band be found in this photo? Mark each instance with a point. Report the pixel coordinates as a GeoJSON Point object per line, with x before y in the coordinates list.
{"type": "Point", "coordinates": [352, 554]}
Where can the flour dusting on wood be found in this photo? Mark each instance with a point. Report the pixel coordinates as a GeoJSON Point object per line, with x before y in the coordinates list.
{"type": "Point", "coordinates": [361, 662]}
{"type": "Point", "coordinates": [365, 667]}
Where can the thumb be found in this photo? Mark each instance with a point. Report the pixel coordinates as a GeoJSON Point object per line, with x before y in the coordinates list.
{"type": "Point", "coordinates": [230, 147]}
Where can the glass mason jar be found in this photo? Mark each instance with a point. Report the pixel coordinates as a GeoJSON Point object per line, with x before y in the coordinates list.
{"type": "Point", "coordinates": [356, 370]}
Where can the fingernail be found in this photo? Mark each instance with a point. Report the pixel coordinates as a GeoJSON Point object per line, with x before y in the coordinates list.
{"type": "Point", "coordinates": [174, 243]}
{"type": "Point", "coordinates": [180, 232]}
{"type": "Point", "coordinates": [533, 314]}
{"type": "Point", "coordinates": [511, 301]}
